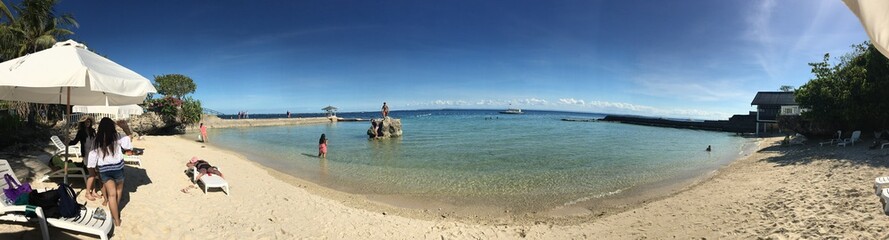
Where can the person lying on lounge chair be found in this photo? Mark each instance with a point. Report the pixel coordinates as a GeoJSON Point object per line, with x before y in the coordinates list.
{"type": "Point", "coordinates": [204, 168]}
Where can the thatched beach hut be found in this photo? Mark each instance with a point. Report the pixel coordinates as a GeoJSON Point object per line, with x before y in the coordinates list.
{"type": "Point", "coordinates": [331, 111]}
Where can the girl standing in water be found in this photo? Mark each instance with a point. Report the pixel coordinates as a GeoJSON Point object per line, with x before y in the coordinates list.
{"type": "Point", "coordinates": [322, 146]}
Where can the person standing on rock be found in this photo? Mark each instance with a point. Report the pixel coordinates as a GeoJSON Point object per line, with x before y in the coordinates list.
{"type": "Point", "coordinates": [385, 110]}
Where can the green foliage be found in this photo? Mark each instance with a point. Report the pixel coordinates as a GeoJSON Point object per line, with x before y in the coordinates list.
{"type": "Point", "coordinates": [191, 110]}
{"type": "Point", "coordinates": [167, 106]}
{"type": "Point", "coordinates": [174, 85]}
{"type": "Point", "coordinates": [850, 95]}
{"type": "Point", "coordinates": [786, 88]}
{"type": "Point", "coordinates": [34, 27]}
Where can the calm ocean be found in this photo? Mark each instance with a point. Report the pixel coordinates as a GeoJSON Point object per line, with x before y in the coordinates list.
{"type": "Point", "coordinates": [480, 157]}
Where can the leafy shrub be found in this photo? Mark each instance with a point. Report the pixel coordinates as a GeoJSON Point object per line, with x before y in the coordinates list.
{"type": "Point", "coordinates": [167, 106]}
{"type": "Point", "coordinates": [191, 110]}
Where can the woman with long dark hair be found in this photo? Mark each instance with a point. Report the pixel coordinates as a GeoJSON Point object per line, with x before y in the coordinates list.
{"type": "Point", "coordinates": [86, 135]}
{"type": "Point", "coordinates": [107, 157]}
{"type": "Point", "coordinates": [322, 146]}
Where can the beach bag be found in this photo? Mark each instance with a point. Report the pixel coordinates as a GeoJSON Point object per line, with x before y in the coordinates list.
{"type": "Point", "coordinates": [68, 206]}
{"type": "Point", "coordinates": [15, 189]}
{"type": "Point", "coordinates": [48, 200]}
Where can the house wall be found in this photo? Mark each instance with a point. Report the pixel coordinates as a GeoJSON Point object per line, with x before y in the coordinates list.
{"type": "Point", "coordinates": [790, 110]}
{"type": "Point", "coordinates": [768, 113]}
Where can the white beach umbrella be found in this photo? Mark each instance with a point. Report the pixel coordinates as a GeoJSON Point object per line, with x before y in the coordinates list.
{"type": "Point", "coordinates": [874, 16]}
{"type": "Point", "coordinates": [68, 73]}
{"type": "Point", "coordinates": [45, 77]}
{"type": "Point", "coordinates": [131, 109]}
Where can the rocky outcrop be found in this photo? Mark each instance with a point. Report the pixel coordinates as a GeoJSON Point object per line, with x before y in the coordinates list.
{"type": "Point", "coordinates": [384, 128]}
{"type": "Point", "coordinates": [151, 123]}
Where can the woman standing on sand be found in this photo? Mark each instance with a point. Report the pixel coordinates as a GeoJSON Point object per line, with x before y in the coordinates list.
{"type": "Point", "coordinates": [86, 135]}
{"type": "Point", "coordinates": [322, 146]}
{"type": "Point", "coordinates": [107, 157]}
{"type": "Point", "coordinates": [204, 133]}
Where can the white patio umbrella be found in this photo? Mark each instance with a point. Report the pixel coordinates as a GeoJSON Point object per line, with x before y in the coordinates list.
{"type": "Point", "coordinates": [45, 77]}
{"type": "Point", "coordinates": [874, 16]}
{"type": "Point", "coordinates": [131, 109]}
{"type": "Point", "coordinates": [68, 73]}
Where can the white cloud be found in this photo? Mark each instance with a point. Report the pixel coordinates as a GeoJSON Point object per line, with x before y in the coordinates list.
{"type": "Point", "coordinates": [533, 101]}
{"type": "Point", "coordinates": [571, 101]}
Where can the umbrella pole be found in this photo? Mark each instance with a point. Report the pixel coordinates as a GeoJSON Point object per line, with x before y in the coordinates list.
{"type": "Point", "coordinates": [67, 137]}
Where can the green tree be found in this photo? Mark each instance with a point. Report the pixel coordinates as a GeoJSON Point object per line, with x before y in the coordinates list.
{"type": "Point", "coordinates": [786, 88]}
{"type": "Point", "coordinates": [5, 11]}
{"type": "Point", "coordinates": [853, 94]}
{"type": "Point", "coordinates": [34, 27]}
{"type": "Point", "coordinates": [191, 110]}
{"type": "Point", "coordinates": [174, 85]}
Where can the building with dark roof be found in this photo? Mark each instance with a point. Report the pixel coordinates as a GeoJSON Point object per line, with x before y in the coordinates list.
{"type": "Point", "coordinates": [770, 105]}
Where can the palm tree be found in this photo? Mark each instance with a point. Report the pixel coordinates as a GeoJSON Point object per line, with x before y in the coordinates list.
{"type": "Point", "coordinates": [36, 27]}
{"type": "Point", "coordinates": [4, 11]}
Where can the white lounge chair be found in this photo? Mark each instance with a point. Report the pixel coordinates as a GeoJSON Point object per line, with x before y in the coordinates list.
{"type": "Point", "coordinates": [880, 183]}
{"type": "Point", "coordinates": [135, 160]}
{"type": "Point", "coordinates": [84, 223]}
{"type": "Point", "coordinates": [60, 147]}
{"type": "Point", "coordinates": [214, 181]}
{"type": "Point", "coordinates": [60, 173]}
{"type": "Point", "coordinates": [838, 139]}
{"type": "Point", "coordinates": [885, 196]}
{"type": "Point", "coordinates": [856, 135]}
{"type": "Point", "coordinates": [18, 213]}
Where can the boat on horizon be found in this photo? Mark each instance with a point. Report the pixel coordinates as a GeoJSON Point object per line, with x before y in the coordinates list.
{"type": "Point", "coordinates": [512, 111]}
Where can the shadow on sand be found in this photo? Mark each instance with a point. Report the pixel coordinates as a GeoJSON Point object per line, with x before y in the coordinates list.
{"type": "Point", "coordinates": [133, 179]}
{"type": "Point", "coordinates": [861, 153]}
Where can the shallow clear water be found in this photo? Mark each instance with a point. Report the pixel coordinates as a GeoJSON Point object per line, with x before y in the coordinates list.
{"type": "Point", "coordinates": [528, 161]}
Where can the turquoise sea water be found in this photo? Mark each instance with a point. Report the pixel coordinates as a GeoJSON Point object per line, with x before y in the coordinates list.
{"type": "Point", "coordinates": [529, 161]}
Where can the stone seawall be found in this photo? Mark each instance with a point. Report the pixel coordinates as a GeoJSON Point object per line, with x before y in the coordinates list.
{"type": "Point", "coordinates": [215, 122]}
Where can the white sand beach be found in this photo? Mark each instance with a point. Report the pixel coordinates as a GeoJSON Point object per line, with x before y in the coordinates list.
{"type": "Point", "coordinates": [777, 192]}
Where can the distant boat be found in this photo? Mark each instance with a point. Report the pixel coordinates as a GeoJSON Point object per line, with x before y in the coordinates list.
{"type": "Point", "coordinates": [512, 111]}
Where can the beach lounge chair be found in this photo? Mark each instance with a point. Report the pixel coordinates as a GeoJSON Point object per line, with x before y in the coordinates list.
{"type": "Point", "coordinates": [856, 135]}
{"type": "Point", "coordinates": [214, 181]}
{"type": "Point", "coordinates": [60, 147]}
{"type": "Point", "coordinates": [885, 197]}
{"type": "Point", "coordinates": [84, 223]}
{"type": "Point", "coordinates": [134, 160]}
{"type": "Point", "coordinates": [18, 213]}
{"type": "Point", "coordinates": [838, 139]}
{"type": "Point", "coordinates": [73, 171]}
{"type": "Point", "coordinates": [880, 183]}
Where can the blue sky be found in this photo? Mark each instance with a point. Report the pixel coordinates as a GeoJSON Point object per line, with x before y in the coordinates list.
{"type": "Point", "coordinates": [697, 59]}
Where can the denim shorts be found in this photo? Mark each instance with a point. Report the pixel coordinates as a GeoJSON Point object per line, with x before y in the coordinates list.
{"type": "Point", "coordinates": [116, 175]}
